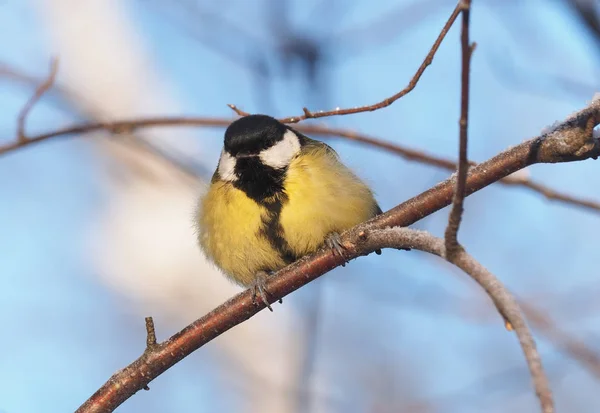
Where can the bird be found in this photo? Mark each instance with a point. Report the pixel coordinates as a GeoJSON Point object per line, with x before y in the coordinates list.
{"type": "Point", "coordinates": [275, 196]}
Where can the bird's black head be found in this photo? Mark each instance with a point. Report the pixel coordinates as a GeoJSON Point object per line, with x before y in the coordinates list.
{"type": "Point", "coordinates": [256, 154]}
{"type": "Point", "coordinates": [252, 134]}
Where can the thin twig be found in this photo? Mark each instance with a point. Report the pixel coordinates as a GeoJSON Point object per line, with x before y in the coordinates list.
{"type": "Point", "coordinates": [39, 92]}
{"type": "Point", "coordinates": [575, 348]}
{"type": "Point", "coordinates": [150, 334]}
{"type": "Point", "coordinates": [151, 342]}
{"type": "Point", "coordinates": [12, 73]}
{"type": "Point", "coordinates": [237, 110]}
{"type": "Point", "coordinates": [388, 101]}
{"type": "Point", "coordinates": [452, 244]}
{"type": "Point", "coordinates": [503, 300]}
{"type": "Point", "coordinates": [569, 141]}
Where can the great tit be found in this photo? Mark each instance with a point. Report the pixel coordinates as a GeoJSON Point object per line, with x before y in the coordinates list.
{"type": "Point", "coordinates": [275, 196]}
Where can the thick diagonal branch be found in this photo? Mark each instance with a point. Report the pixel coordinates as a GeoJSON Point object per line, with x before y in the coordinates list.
{"type": "Point", "coordinates": [570, 141]}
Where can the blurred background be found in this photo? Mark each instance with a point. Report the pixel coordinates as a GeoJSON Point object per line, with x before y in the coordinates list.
{"type": "Point", "coordinates": [97, 231]}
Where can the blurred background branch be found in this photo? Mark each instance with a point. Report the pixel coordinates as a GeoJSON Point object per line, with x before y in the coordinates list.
{"type": "Point", "coordinates": [128, 126]}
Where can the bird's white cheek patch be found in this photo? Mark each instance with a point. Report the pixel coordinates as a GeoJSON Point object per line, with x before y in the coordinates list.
{"type": "Point", "coordinates": [227, 167]}
{"type": "Point", "coordinates": [279, 155]}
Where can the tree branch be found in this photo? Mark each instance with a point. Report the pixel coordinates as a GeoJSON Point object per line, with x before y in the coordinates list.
{"type": "Point", "coordinates": [388, 101]}
{"type": "Point", "coordinates": [571, 140]}
{"type": "Point", "coordinates": [150, 334]}
{"type": "Point", "coordinates": [130, 126]}
{"type": "Point", "coordinates": [237, 110]}
{"type": "Point", "coordinates": [158, 357]}
{"type": "Point", "coordinates": [505, 303]}
{"type": "Point", "coordinates": [452, 245]}
{"type": "Point", "coordinates": [39, 92]}
{"type": "Point", "coordinates": [407, 153]}
{"type": "Point", "coordinates": [577, 349]}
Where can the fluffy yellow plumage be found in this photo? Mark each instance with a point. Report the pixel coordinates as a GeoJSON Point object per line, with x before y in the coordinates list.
{"type": "Point", "coordinates": [229, 233]}
{"type": "Point", "coordinates": [323, 197]}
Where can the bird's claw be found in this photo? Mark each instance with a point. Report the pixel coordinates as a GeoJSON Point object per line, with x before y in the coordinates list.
{"type": "Point", "coordinates": [334, 242]}
{"type": "Point", "coordinates": [259, 289]}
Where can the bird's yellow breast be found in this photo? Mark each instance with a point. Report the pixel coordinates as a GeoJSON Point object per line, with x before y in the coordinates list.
{"type": "Point", "coordinates": [324, 196]}
{"type": "Point", "coordinates": [230, 227]}
{"type": "Point", "coordinates": [321, 196]}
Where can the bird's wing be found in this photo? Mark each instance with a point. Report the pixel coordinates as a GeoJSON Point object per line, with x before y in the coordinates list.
{"type": "Point", "coordinates": [312, 143]}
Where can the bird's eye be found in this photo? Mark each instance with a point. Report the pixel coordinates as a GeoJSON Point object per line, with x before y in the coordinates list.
{"type": "Point", "coordinates": [245, 156]}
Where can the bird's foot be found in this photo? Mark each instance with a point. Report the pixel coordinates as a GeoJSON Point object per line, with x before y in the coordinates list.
{"type": "Point", "coordinates": [334, 242]}
{"type": "Point", "coordinates": [259, 289]}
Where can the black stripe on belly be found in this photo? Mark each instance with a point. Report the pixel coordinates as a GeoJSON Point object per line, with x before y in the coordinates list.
{"type": "Point", "coordinates": [264, 185]}
{"type": "Point", "coordinates": [271, 227]}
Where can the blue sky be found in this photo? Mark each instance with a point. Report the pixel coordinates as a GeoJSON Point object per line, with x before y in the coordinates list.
{"type": "Point", "coordinates": [65, 332]}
